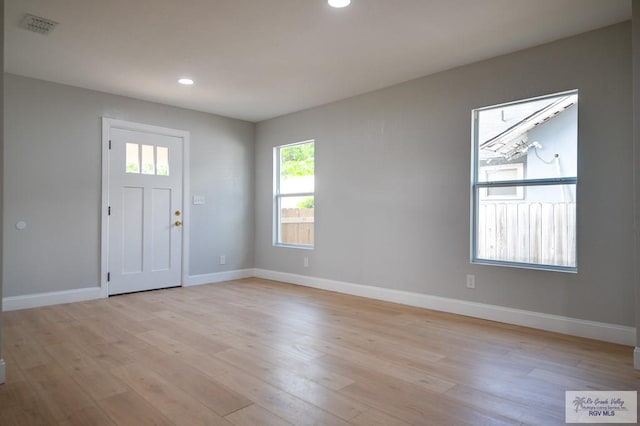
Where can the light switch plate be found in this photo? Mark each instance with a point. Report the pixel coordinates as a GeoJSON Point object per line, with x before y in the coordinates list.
{"type": "Point", "coordinates": [198, 200]}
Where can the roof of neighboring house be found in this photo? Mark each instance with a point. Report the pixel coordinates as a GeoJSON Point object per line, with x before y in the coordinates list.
{"type": "Point", "coordinates": [512, 142]}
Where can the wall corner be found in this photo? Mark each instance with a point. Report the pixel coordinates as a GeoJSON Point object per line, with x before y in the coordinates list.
{"type": "Point", "coordinates": [635, 60]}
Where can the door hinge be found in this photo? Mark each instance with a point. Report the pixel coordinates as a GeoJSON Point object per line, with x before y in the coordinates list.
{"type": "Point", "coordinates": [109, 143]}
{"type": "Point", "coordinates": [109, 212]}
{"type": "Point", "coordinates": [108, 276]}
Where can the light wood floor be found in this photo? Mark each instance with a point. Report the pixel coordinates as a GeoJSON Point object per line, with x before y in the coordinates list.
{"type": "Point", "coordinates": [256, 352]}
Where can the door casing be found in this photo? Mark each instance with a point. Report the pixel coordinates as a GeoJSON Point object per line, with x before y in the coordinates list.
{"type": "Point", "coordinates": [107, 125]}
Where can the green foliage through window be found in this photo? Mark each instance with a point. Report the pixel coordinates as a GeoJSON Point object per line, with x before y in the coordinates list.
{"type": "Point", "coordinates": [307, 203]}
{"type": "Point", "coordinates": [297, 160]}
{"type": "Point", "coordinates": [133, 168]}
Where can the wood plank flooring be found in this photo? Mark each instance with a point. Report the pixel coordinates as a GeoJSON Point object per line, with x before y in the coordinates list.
{"type": "Point", "coordinates": [258, 352]}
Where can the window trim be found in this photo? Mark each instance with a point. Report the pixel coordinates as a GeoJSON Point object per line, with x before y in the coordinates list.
{"type": "Point", "coordinates": [477, 187]}
{"type": "Point", "coordinates": [278, 196]}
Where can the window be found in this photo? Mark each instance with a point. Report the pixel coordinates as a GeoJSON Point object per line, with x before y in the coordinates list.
{"type": "Point", "coordinates": [498, 173]}
{"type": "Point", "coordinates": [524, 180]}
{"type": "Point", "coordinates": [147, 159]}
{"type": "Point", "coordinates": [294, 200]}
{"type": "Point", "coordinates": [133, 158]}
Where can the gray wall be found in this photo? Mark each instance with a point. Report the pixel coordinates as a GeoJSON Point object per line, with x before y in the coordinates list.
{"type": "Point", "coordinates": [392, 179]}
{"type": "Point", "coordinates": [636, 169]}
{"type": "Point", "coordinates": [1, 161]}
{"type": "Point", "coordinates": [53, 164]}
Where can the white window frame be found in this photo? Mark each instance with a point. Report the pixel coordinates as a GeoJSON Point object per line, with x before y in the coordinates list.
{"type": "Point", "coordinates": [478, 188]}
{"type": "Point", "coordinates": [278, 196]}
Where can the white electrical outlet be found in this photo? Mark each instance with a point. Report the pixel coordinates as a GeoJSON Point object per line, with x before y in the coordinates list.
{"type": "Point", "coordinates": [223, 260]}
{"type": "Point", "coordinates": [306, 262]}
{"type": "Point", "coordinates": [471, 281]}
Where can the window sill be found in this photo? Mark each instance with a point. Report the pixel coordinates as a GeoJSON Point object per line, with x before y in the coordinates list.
{"type": "Point", "coordinates": [294, 246]}
{"type": "Point", "coordinates": [518, 265]}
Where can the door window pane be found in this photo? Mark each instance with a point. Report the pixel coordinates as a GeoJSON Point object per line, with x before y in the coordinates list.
{"type": "Point", "coordinates": [148, 163]}
{"type": "Point", "coordinates": [162, 161]}
{"type": "Point", "coordinates": [132, 158]}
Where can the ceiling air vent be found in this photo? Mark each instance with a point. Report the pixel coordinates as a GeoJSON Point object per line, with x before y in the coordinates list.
{"type": "Point", "coordinates": [37, 24]}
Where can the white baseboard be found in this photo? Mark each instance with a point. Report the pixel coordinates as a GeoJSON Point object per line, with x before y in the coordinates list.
{"type": "Point", "coordinates": [3, 372]}
{"type": "Point", "coordinates": [575, 327]}
{"type": "Point", "coordinates": [218, 277]}
{"type": "Point", "coordinates": [636, 358]}
{"type": "Point", "coordinates": [14, 303]}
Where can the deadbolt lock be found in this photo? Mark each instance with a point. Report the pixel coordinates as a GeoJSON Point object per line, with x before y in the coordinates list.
{"type": "Point", "coordinates": [177, 213]}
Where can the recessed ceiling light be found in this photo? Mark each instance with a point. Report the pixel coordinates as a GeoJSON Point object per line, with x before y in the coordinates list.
{"type": "Point", "coordinates": [186, 81]}
{"type": "Point", "coordinates": [339, 3]}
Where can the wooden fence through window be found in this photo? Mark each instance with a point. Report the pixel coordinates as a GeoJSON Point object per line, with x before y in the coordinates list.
{"type": "Point", "coordinates": [541, 233]}
{"type": "Point", "coordinates": [297, 226]}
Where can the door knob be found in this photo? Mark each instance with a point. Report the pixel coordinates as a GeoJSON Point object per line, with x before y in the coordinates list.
{"type": "Point", "coordinates": [178, 223]}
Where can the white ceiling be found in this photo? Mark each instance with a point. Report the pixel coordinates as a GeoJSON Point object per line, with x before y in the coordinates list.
{"type": "Point", "coordinates": [257, 59]}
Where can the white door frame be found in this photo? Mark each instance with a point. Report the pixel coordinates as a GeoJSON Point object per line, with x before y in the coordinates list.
{"type": "Point", "coordinates": [107, 125]}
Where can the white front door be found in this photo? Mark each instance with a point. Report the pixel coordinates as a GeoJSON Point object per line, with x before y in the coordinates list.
{"type": "Point", "coordinates": [144, 211]}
